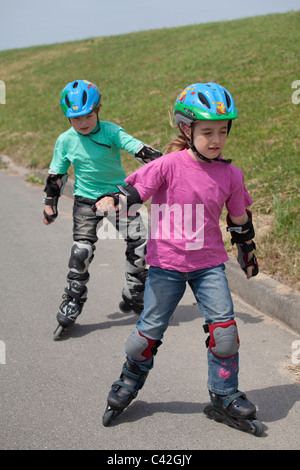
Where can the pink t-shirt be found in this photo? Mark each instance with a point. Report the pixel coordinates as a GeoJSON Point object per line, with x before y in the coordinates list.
{"type": "Point", "coordinates": [187, 200]}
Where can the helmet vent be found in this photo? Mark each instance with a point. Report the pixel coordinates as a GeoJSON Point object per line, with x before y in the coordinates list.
{"type": "Point", "coordinates": [67, 101]}
{"type": "Point", "coordinates": [84, 98]}
{"type": "Point", "coordinates": [228, 100]}
{"type": "Point", "coordinates": [75, 84]}
{"type": "Point", "coordinates": [204, 100]}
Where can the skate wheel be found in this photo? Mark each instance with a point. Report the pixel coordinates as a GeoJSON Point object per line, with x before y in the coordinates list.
{"type": "Point", "coordinates": [138, 310]}
{"type": "Point", "coordinates": [258, 427]}
{"type": "Point", "coordinates": [59, 330]}
{"type": "Point", "coordinates": [124, 307]}
{"type": "Point", "coordinates": [109, 416]}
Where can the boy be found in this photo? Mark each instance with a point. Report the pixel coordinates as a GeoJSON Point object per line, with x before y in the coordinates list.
{"type": "Point", "coordinates": [94, 149]}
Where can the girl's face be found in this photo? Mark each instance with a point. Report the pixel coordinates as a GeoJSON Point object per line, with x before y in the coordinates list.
{"type": "Point", "coordinates": [209, 137]}
{"type": "Point", "coordinates": [85, 124]}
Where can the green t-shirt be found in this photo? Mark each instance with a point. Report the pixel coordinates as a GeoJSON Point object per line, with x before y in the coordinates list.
{"type": "Point", "coordinates": [96, 158]}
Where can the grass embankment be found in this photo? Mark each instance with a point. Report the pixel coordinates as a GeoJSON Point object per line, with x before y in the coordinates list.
{"type": "Point", "coordinates": [140, 75]}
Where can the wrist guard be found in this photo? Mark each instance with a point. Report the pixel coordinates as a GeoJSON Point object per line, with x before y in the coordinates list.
{"type": "Point", "coordinates": [54, 191]}
{"type": "Point", "coordinates": [240, 239]}
{"type": "Point", "coordinates": [132, 198]}
{"type": "Point", "coordinates": [242, 258]}
{"type": "Point", "coordinates": [53, 203]}
{"type": "Point", "coordinates": [145, 152]}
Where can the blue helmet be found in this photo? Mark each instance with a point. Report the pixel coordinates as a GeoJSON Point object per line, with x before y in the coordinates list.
{"type": "Point", "coordinates": [204, 101]}
{"type": "Point", "coordinates": [79, 98]}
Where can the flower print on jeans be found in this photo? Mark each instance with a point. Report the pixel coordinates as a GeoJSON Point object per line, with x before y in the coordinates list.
{"type": "Point", "coordinates": [226, 371]}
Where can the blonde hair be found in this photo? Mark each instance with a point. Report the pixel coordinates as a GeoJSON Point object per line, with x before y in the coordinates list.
{"type": "Point", "coordinates": [179, 142]}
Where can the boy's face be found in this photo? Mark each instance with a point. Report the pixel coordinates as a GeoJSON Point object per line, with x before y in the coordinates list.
{"type": "Point", "coordinates": [85, 124]}
{"type": "Point", "coordinates": [209, 137]}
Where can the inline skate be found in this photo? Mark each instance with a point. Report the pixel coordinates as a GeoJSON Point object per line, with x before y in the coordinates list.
{"type": "Point", "coordinates": [124, 390]}
{"type": "Point", "coordinates": [74, 298]}
{"type": "Point", "coordinates": [235, 411]}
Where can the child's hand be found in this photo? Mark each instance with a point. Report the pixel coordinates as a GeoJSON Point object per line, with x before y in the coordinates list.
{"type": "Point", "coordinates": [49, 211]}
{"type": "Point", "coordinates": [106, 205]}
{"type": "Point", "coordinates": [249, 268]}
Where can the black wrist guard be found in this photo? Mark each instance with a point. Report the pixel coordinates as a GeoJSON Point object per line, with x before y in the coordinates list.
{"type": "Point", "coordinates": [54, 191]}
{"type": "Point", "coordinates": [240, 239]}
{"type": "Point", "coordinates": [132, 197]}
{"type": "Point", "coordinates": [242, 258]}
{"type": "Point", "coordinates": [236, 230]}
{"type": "Point", "coordinates": [145, 152]}
{"type": "Point", "coordinates": [53, 203]}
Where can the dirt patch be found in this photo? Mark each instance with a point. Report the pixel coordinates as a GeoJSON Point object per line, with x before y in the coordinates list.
{"type": "Point", "coordinates": [295, 371]}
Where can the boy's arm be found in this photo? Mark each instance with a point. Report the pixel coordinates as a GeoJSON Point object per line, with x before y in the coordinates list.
{"type": "Point", "coordinates": [55, 184]}
{"type": "Point", "coordinates": [242, 233]}
{"type": "Point", "coordinates": [143, 153]}
{"type": "Point", "coordinates": [120, 201]}
{"type": "Point", "coordinates": [56, 180]}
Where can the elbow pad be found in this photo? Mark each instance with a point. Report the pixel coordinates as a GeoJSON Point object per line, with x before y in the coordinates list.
{"type": "Point", "coordinates": [52, 188]}
{"type": "Point", "coordinates": [132, 195]}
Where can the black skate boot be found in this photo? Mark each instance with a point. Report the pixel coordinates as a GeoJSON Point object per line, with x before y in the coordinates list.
{"type": "Point", "coordinates": [74, 298]}
{"type": "Point", "coordinates": [133, 292]}
{"type": "Point", "coordinates": [235, 411]}
{"type": "Point", "coordinates": [123, 391]}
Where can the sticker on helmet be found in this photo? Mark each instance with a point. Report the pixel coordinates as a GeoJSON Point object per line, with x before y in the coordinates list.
{"type": "Point", "coordinates": [182, 96]}
{"type": "Point", "coordinates": [221, 108]}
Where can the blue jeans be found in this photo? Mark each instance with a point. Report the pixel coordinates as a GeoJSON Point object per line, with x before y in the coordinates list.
{"type": "Point", "coordinates": [164, 289]}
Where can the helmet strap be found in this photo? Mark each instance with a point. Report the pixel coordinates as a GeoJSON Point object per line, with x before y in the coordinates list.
{"type": "Point", "coordinates": [202, 157]}
{"type": "Point", "coordinates": [193, 148]}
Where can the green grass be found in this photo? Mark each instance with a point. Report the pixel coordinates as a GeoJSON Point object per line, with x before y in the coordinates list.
{"type": "Point", "coordinates": [140, 76]}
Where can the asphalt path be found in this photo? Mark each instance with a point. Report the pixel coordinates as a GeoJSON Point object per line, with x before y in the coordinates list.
{"type": "Point", "coordinates": [53, 393]}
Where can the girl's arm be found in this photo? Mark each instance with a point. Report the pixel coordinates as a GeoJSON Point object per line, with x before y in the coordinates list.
{"type": "Point", "coordinates": [242, 233]}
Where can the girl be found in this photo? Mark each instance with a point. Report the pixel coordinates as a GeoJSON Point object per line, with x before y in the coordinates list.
{"type": "Point", "coordinates": [189, 188]}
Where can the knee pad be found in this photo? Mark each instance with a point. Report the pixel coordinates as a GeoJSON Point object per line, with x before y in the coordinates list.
{"type": "Point", "coordinates": [140, 348]}
{"type": "Point", "coordinates": [223, 341]}
{"type": "Point", "coordinates": [81, 256]}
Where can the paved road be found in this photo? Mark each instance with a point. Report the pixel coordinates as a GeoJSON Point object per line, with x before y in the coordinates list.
{"type": "Point", "coordinates": [53, 394]}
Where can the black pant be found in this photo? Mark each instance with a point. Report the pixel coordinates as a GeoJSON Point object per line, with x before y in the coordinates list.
{"type": "Point", "coordinates": [86, 224]}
